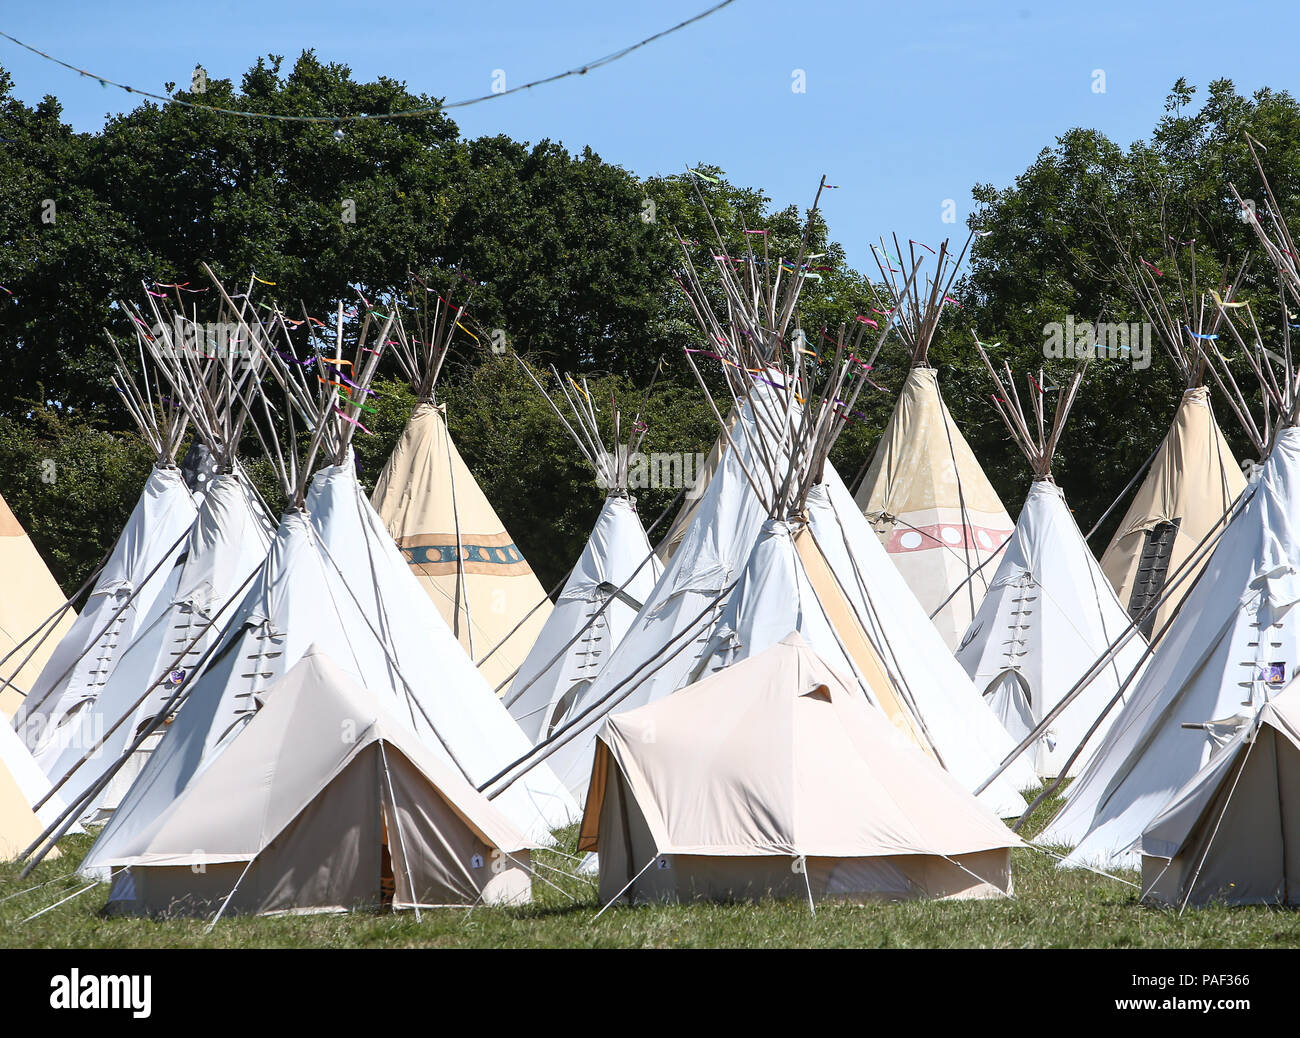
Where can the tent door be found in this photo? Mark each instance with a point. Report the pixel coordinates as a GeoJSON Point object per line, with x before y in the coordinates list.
{"type": "Point", "coordinates": [1153, 568]}
{"type": "Point", "coordinates": [387, 882]}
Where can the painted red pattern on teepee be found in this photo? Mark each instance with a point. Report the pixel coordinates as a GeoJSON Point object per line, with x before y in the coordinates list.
{"type": "Point", "coordinates": [945, 535]}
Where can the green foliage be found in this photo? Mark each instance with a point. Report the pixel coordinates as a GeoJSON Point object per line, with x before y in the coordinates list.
{"type": "Point", "coordinates": [1052, 908]}
{"type": "Point", "coordinates": [576, 261]}
{"type": "Point", "coordinates": [72, 483]}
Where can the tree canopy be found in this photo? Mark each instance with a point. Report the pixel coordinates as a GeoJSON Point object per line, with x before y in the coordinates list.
{"type": "Point", "coordinates": [575, 260]}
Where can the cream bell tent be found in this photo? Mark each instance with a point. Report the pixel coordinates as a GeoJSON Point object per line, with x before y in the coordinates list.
{"type": "Point", "coordinates": [788, 584]}
{"type": "Point", "coordinates": [325, 800]}
{"type": "Point", "coordinates": [1233, 643]}
{"type": "Point", "coordinates": [33, 619]}
{"type": "Point", "coordinates": [774, 777]}
{"type": "Point", "coordinates": [139, 572]}
{"type": "Point", "coordinates": [1049, 615]}
{"type": "Point", "coordinates": [613, 576]}
{"type": "Point", "coordinates": [451, 536]}
{"type": "Point", "coordinates": [929, 501]}
{"type": "Point", "coordinates": [1232, 834]}
{"type": "Point", "coordinates": [1193, 479]}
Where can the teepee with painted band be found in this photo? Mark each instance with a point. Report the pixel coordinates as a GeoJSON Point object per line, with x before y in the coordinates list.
{"type": "Point", "coordinates": [926, 496]}
{"type": "Point", "coordinates": [443, 522]}
{"type": "Point", "coordinates": [1049, 614]}
{"type": "Point", "coordinates": [612, 578]}
{"type": "Point", "coordinates": [1193, 479]}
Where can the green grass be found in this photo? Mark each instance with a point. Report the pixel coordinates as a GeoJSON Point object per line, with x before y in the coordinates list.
{"type": "Point", "coordinates": [1051, 908]}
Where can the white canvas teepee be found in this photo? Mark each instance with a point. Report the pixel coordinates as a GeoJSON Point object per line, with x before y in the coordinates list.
{"type": "Point", "coordinates": [1047, 619]}
{"type": "Point", "coordinates": [292, 817]}
{"type": "Point", "coordinates": [1231, 835]}
{"type": "Point", "coordinates": [449, 532]}
{"type": "Point", "coordinates": [773, 761]}
{"type": "Point", "coordinates": [770, 472]}
{"type": "Point", "coordinates": [31, 625]}
{"type": "Point", "coordinates": [139, 572]}
{"type": "Point", "coordinates": [1232, 645]}
{"type": "Point", "coordinates": [613, 576]}
{"type": "Point", "coordinates": [225, 546]}
{"type": "Point", "coordinates": [1193, 479]}
{"type": "Point", "coordinates": [662, 646]}
{"type": "Point", "coordinates": [1050, 614]}
{"type": "Point", "coordinates": [925, 493]}
{"type": "Point", "coordinates": [333, 576]}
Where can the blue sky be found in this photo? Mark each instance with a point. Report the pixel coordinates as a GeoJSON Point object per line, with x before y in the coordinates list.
{"type": "Point", "coordinates": [905, 105]}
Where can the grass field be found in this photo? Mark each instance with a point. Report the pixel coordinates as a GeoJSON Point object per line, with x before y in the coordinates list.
{"type": "Point", "coordinates": [1051, 908]}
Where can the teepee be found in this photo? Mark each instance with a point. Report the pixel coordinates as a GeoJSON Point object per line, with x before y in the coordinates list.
{"type": "Point", "coordinates": [333, 577]}
{"type": "Point", "coordinates": [22, 785]}
{"type": "Point", "coordinates": [1233, 644]}
{"type": "Point", "coordinates": [444, 524]}
{"type": "Point", "coordinates": [613, 576]}
{"type": "Point", "coordinates": [291, 817]}
{"type": "Point", "coordinates": [225, 547]}
{"type": "Point", "coordinates": [925, 494]}
{"type": "Point", "coordinates": [1049, 614]}
{"type": "Point", "coordinates": [774, 777]}
{"type": "Point", "coordinates": [34, 617]}
{"type": "Point", "coordinates": [1192, 480]}
{"type": "Point", "coordinates": [139, 572]}
{"type": "Point", "coordinates": [747, 571]}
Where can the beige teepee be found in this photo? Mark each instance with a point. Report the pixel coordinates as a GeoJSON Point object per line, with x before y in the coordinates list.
{"type": "Point", "coordinates": [1193, 479]}
{"type": "Point", "coordinates": [30, 600]}
{"type": "Point", "coordinates": [926, 496]}
{"type": "Point", "coordinates": [445, 525]}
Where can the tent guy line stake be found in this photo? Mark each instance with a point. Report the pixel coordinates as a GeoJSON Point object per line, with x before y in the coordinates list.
{"type": "Point", "coordinates": [76, 893]}
{"type": "Point", "coordinates": [216, 918]}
